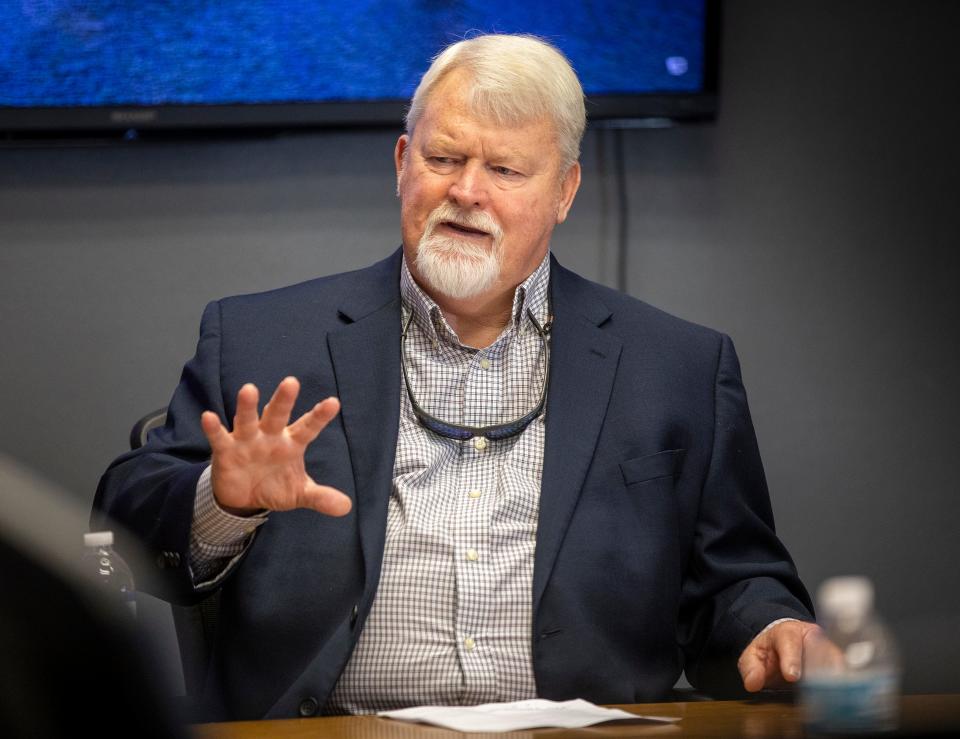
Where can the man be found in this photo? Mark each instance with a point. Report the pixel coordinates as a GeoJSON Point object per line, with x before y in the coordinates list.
{"type": "Point", "coordinates": [553, 489]}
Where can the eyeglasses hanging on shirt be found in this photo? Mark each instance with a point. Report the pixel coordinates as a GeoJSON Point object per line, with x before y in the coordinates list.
{"type": "Point", "coordinates": [492, 433]}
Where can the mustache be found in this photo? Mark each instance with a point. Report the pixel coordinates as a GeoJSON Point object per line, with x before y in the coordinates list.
{"type": "Point", "coordinates": [477, 220]}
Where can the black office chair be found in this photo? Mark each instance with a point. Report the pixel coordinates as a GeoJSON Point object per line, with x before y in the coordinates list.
{"type": "Point", "coordinates": [153, 420]}
{"type": "Point", "coordinates": [195, 625]}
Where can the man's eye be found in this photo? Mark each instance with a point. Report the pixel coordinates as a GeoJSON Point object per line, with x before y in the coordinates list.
{"type": "Point", "coordinates": [506, 171]}
{"type": "Point", "coordinates": [442, 160]}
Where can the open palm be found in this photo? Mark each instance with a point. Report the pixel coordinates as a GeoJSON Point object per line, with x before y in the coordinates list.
{"type": "Point", "coordinates": [259, 465]}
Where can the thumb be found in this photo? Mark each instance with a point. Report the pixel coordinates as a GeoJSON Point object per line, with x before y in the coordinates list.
{"type": "Point", "coordinates": [324, 499]}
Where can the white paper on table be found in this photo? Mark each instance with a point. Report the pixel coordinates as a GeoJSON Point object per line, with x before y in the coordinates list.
{"type": "Point", "coordinates": [528, 714]}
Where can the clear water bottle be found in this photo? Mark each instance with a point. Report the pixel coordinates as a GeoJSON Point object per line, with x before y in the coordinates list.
{"type": "Point", "coordinates": [851, 672]}
{"type": "Point", "coordinates": [108, 571]}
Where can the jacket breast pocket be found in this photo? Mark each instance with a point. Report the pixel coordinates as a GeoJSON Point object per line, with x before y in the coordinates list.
{"type": "Point", "coordinates": [652, 466]}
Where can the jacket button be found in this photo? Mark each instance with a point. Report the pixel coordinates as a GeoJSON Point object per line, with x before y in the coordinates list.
{"type": "Point", "coordinates": [308, 707]}
{"type": "Point", "coordinates": [353, 616]}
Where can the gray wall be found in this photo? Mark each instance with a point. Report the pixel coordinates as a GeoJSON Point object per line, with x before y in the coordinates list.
{"type": "Point", "coordinates": [815, 222]}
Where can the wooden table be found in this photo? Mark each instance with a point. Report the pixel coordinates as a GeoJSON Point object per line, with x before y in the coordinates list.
{"type": "Point", "coordinates": [921, 715]}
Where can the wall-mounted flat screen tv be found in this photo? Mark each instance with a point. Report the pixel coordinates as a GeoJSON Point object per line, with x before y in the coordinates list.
{"type": "Point", "coordinates": [155, 64]}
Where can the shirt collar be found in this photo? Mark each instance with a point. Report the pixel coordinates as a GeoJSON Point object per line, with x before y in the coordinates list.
{"type": "Point", "coordinates": [531, 294]}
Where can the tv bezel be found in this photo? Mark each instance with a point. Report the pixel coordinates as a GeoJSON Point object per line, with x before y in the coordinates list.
{"type": "Point", "coordinates": [174, 119]}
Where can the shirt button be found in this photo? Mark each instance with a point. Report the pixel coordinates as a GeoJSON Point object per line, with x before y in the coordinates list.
{"type": "Point", "coordinates": [485, 363]}
{"type": "Point", "coordinates": [472, 555]}
{"type": "Point", "coordinates": [469, 643]}
{"type": "Point", "coordinates": [474, 493]}
{"type": "Point", "coordinates": [479, 443]}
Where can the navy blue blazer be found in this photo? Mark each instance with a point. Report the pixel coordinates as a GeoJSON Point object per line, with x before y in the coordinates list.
{"type": "Point", "coordinates": [656, 548]}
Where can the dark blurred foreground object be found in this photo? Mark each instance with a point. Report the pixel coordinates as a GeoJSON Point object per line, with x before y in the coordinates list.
{"type": "Point", "coordinates": [69, 661]}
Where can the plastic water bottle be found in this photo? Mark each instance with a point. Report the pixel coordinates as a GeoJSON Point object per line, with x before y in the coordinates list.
{"type": "Point", "coordinates": [851, 673]}
{"type": "Point", "coordinates": [108, 571]}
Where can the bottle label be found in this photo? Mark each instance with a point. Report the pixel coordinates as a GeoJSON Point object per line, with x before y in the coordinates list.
{"type": "Point", "coordinates": [857, 703]}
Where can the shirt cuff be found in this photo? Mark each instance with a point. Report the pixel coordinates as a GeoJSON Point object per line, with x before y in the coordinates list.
{"type": "Point", "coordinates": [214, 527]}
{"type": "Point", "coordinates": [217, 539]}
{"type": "Point", "coordinates": [774, 623]}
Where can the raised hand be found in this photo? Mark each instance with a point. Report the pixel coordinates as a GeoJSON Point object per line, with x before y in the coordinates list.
{"type": "Point", "coordinates": [259, 465]}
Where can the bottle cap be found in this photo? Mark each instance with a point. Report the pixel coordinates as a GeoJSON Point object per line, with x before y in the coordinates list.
{"type": "Point", "coordinates": [842, 597]}
{"type": "Point", "coordinates": [98, 539]}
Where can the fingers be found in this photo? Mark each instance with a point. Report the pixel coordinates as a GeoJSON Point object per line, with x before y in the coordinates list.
{"type": "Point", "coordinates": [788, 644]}
{"type": "Point", "coordinates": [755, 680]}
{"type": "Point", "coordinates": [324, 499]}
{"type": "Point", "coordinates": [276, 414]}
{"type": "Point", "coordinates": [774, 658]}
{"type": "Point", "coordinates": [753, 670]}
{"type": "Point", "coordinates": [216, 434]}
{"type": "Point", "coordinates": [246, 421]}
{"type": "Point", "coordinates": [306, 428]}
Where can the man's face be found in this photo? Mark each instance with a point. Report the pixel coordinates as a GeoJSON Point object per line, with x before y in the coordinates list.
{"type": "Point", "coordinates": [478, 201]}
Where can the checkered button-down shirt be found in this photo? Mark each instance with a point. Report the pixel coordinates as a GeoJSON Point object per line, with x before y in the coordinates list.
{"type": "Point", "coordinates": [452, 619]}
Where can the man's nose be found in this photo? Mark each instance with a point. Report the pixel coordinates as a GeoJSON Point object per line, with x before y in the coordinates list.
{"type": "Point", "coordinates": [469, 187]}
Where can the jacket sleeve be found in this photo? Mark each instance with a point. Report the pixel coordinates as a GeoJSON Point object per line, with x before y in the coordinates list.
{"type": "Point", "coordinates": [740, 577]}
{"type": "Point", "coordinates": [147, 495]}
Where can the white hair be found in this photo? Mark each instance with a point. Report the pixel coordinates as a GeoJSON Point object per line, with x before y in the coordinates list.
{"type": "Point", "coordinates": [514, 79]}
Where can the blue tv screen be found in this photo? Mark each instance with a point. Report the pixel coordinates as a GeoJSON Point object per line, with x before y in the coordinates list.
{"type": "Point", "coordinates": [154, 63]}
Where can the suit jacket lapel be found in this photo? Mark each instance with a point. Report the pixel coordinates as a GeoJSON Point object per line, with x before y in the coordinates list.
{"type": "Point", "coordinates": [366, 360]}
{"type": "Point", "coordinates": [583, 364]}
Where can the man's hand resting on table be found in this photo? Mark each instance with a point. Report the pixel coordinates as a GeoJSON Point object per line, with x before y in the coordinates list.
{"type": "Point", "coordinates": [259, 465]}
{"type": "Point", "coordinates": [774, 658]}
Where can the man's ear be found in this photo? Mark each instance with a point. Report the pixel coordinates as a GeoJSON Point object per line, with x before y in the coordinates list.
{"type": "Point", "coordinates": [568, 191]}
{"type": "Point", "coordinates": [400, 154]}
